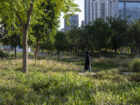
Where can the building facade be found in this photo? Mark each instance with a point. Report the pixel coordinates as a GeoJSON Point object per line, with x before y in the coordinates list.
{"type": "Point", "coordinates": [73, 22]}
{"type": "Point", "coordinates": [100, 9]}
{"type": "Point", "coordinates": [133, 13]}
{"type": "Point", "coordinates": [82, 23]}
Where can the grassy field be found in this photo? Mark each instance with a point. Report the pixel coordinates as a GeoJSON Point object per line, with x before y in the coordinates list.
{"type": "Point", "coordinates": [50, 82]}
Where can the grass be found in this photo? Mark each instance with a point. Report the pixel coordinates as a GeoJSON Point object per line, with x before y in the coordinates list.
{"type": "Point", "coordinates": [50, 82]}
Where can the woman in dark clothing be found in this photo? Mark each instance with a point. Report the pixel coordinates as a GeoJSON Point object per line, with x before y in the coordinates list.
{"type": "Point", "coordinates": [87, 62]}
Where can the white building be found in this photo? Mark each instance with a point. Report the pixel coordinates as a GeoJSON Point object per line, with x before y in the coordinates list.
{"type": "Point", "coordinates": [100, 9]}
{"type": "Point", "coordinates": [73, 23]}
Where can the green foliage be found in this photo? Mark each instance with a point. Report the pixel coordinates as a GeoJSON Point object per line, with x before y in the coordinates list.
{"type": "Point", "coordinates": [22, 15]}
{"type": "Point", "coordinates": [132, 35]}
{"type": "Point", "coordinates": [61, 41]}
{"type": "Point", "coordinates": [100, 34]}
{"type": "Point", "coordinates": [130, 65]}
{"type": "Point", "coordinates": [16, 40]}
{"type": "Point", "coordinates": [96, 35]}
{"type": "Point", "coordinates": [125, 65]}
{"type": "Point", "coordinates": [135, 65]}
{"type": "Point", "coordinates": [55, 84]}
{"type": "Point", "coordinates": [10, 9]}
{"type": "Point", "coordinates": [76, 39]}
{"type": "Point", "coordinates": [3, 54]}
{"type": "Point", "coordinates": [119, 27]}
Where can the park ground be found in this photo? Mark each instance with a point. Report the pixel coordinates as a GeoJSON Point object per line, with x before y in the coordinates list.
{"type": "Point", "coordinates": [52, 82]}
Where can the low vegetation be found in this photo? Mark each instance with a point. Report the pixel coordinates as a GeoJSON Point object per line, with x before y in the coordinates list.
{"type": "Point", "coordinates": [3, 54]}
{"type": "Point", "coordinates": [50, 82]}
{"type": "Point", "coordinates": [130, 65]}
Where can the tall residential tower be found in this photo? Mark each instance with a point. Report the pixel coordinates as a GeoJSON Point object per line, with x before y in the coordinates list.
{"type": "Point", "coordinates": [100, 9]}
{"type": "Point", "coordinates": [73, 21]}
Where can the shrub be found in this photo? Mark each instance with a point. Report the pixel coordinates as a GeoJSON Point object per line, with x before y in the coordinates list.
{"type": "Point", "coordinates": [135, 65]}
{"type": "Point", "coordinates": [3, 54]}
{"type": "Point", "coordinates": [125, 65]}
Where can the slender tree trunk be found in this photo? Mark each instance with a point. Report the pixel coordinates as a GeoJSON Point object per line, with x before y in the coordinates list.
{"type": "Point", "coordinates": [25, 51]}
{"type": "Point", "coordinates": [100, 53]}
{"type": "Point", "coordinates": [15, 52]}
{"type": "Point", "coordinates": [115, 50]}
{"type": "Point", "coordinates": [37, 49]}
{"type": "Point", "coordinates": [58, 54]}
{"type": "Point", "coordinates": [25, 39]}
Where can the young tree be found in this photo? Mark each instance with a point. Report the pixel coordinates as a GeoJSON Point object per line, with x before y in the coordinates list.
{"type": "Point", "coordinates": [6, 39]}
{"type": "Point", "coordinates": [26, 12]}
{"type": "Point", "coordinates": [13, 43]}
{"type": "Point", "coordinates": [61, 43]}
{"type": "Point", "coordinates": [46, 27]}
{"type": "Point", "coordinates": [132, 36]}
{"type": "Point", "coordinates": [100, 34]}
{"type": "Point", "coordinates": [119, 26]}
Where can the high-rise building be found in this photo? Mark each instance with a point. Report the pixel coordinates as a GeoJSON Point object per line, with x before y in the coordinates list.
{"type": "Point", "coordinates": [73, 22]}
{"type": "Point", "coordinates": [133, 13]}
{"type": "Point", "coordinates": [82, 23]}
{"type": "Point", "coordinates": [100, 9]}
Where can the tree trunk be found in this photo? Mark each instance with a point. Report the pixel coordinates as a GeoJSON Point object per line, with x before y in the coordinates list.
{"type": "Point", "coordinates": [37, 49]}
{"type": "Point", "coordinates": [58, 53]}
{"type": "Point", "coordinates": [15, 52]}
{"type": "Point", "coordinates": [25, 51]}
{"type": "Point", "coordinates": [25, 39]}
{"type": "Point", "coordinates": [100, 53]}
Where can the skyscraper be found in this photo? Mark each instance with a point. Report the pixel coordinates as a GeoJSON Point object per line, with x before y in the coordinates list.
{"type": "Point", "coordinates": [100, 9]}
{"type": "Point", "coordinates": [132, 12]}
{"type": "Point", "coordinates": [73, 21]}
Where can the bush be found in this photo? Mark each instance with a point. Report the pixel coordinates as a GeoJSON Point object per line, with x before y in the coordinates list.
{"type": "Point", "coordinates": [125, 65]}
{"type": "Point", "coordinates": [135, 65]}
{"type": "Point", "coordinates": [130, 65]}
{"type": "Point", "coordinates": [3, 54]}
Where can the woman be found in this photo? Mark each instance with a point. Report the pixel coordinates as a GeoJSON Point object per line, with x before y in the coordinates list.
{"type": "Point", "coordinates": [87, 62]}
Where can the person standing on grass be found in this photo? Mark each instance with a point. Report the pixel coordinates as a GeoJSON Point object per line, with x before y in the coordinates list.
{"type": "Point", "coordinates": [87, 62]}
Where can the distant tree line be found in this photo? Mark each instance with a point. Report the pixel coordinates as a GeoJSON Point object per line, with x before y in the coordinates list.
{"type": "Point", "coordinates": [100, 36]}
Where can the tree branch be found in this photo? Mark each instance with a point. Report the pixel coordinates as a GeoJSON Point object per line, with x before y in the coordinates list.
{"type": "Point", "coordinates": [29, 15]}
{"type": "Point", "coordinates": [18, 16]}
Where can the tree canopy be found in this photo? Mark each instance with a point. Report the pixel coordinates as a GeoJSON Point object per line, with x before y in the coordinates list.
{"type": "Point", "coordinates": [22, 14]}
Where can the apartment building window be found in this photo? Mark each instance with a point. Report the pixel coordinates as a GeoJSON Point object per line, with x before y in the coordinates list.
{"type": "Point", "coordinates": [96, 10]}
{"type": "Point", "coordinates": [92, 11]}
{"type": "Point", "coordinates": [102, 10]}
{"type": "Point", "coordinates": [89, 10]}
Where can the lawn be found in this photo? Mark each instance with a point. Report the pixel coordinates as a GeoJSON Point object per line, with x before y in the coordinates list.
{"type": "Point", "coordinates": [50, 82]}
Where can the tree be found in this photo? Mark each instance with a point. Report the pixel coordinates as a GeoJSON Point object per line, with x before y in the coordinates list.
{"type": "Point", "coordinates": [132, 36]}
{"type": "Point", "coordinates": [100, 34]}
{"type": "Point", "coordinates": [46, 27]}
{"type": "Point", "coordinates": [76, 40]}
{"type": "Point", "coordinates": [21, 11]}
{"type": "Point", "coordinates": [6, 39]}
{"type": "Point", "coordinates": [119, 26]}
{"type": "Point", "coordinates": [61, 43]}
{"type": "Point", "coordinates": [13, 43]}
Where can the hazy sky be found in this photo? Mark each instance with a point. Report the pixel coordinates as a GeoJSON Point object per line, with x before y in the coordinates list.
{"type": "Point", "coordinates": [81, 14]}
